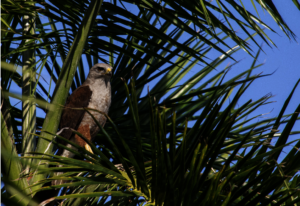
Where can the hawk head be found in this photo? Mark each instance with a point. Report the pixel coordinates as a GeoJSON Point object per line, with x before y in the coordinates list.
{"type": "Point", "coordinates": [100, 70]}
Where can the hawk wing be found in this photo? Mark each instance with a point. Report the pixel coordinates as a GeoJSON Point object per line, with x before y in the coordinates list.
{"type": "Point", "coordinates": [71, 117]}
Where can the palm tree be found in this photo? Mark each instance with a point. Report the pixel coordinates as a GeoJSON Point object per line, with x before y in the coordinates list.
{"type": "Point", "coordinates": [182, 140]}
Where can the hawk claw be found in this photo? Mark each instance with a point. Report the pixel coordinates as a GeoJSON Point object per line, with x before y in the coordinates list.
{"type": "Point", "coordinates": [88, 148]}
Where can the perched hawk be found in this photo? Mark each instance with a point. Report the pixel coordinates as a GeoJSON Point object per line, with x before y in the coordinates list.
{"type": "Point", "coordinates": [94, 93]}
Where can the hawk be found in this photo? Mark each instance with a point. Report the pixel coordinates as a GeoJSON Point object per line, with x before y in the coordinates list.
{"type": "Point", "coordinates": [94, 93]}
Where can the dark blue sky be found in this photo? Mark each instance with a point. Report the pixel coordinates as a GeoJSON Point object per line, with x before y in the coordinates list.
{"type": "Point", "coordinates": [284, 61]}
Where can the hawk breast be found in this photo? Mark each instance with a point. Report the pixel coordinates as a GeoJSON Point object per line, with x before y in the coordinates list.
{"type": "Point", "coordinates": [100, 100]}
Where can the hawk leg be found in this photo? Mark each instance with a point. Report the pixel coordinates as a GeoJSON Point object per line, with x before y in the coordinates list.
{"type": "Point", "coordinates": [85, 131]}
{"type": "Point", "coordinates": [65, 153]}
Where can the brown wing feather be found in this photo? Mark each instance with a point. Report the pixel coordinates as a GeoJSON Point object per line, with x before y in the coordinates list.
{"type": "Point", "coordinates": [70, 117]}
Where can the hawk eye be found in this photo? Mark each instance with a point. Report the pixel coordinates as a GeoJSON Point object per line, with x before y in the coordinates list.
{"type": "Point", "coordinates": [100, 69]}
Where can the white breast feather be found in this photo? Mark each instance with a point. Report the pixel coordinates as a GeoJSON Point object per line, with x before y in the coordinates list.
{"type": "Point", "coordinates": [100, 100]}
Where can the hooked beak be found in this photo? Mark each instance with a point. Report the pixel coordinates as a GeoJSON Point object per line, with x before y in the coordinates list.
{"type": "Point", "coordinates": [108, 71]}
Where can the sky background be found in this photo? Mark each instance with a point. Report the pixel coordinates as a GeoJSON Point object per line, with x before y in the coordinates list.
{"type": "Point", "coordinates": [283, 61]}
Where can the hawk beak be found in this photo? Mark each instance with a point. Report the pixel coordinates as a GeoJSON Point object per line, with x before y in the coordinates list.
{"type": "Point", "coordinates": [108, 71]}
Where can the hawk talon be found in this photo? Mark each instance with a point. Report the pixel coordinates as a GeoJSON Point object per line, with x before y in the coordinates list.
{"type": "Point", "coordinates": [88, 148]}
